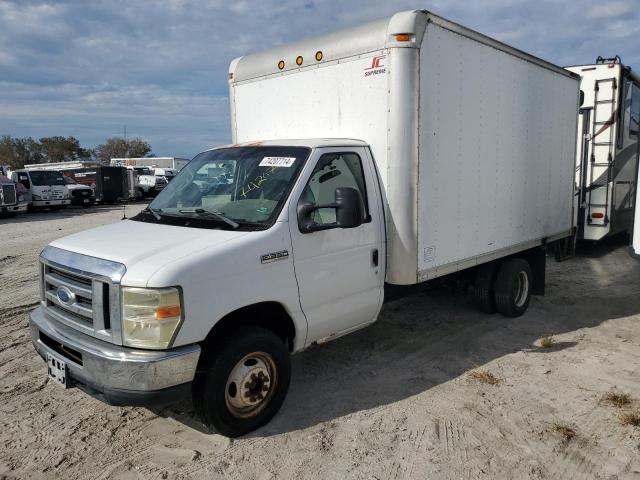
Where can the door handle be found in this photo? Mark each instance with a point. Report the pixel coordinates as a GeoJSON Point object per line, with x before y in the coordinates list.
{"type": "Point", "coordinates": [374, 257]}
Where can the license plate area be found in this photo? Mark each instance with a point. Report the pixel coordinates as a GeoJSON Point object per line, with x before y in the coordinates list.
{"type": "Point", "coordinates": [57, 370]}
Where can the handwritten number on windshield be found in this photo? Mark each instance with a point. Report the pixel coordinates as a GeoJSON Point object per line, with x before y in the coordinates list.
{"type": "Point", "coordinates": [257, 182]}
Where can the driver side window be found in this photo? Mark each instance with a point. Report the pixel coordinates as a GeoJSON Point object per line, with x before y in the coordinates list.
{"type": "Point", "coordinates": [334, 170]}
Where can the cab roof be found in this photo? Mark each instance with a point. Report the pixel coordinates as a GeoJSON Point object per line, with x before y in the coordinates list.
{"type": "Point", "coordinates": [304, 142]}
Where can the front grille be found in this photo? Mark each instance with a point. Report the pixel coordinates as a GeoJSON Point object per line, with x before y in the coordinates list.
{"type": "Point", "coordinates": [8, 196]}
{"type": "Point", "coordinates": [82, 193]}
{"type": "Point", "coordinates": [82, 292]}
{"type": "Point", "coordinates": [76, 300]}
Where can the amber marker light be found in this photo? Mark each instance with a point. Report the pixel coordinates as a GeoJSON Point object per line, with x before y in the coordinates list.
{"type": "Point", "coordinates": [167, 312]}
{"type": "Point", "coordinates": [299, 60]}
{"type": "Point", "coordinates": [403, 37]}
{"type": "Point", "coordinates": [281, 64]}
{"type": "Point", "coordinates": [318, 55]}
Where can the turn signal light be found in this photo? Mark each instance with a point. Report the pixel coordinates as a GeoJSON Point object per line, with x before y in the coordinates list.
{"type": "Point", "coordinates": [167, 312]}
{"type": "Point", "coordinates": [403, 37]}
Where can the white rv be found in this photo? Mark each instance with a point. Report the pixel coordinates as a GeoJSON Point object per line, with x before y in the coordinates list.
{"type": "Point", "coordinates": [607, 148]}
{"type": "Point", "coordinates": [388, 154]}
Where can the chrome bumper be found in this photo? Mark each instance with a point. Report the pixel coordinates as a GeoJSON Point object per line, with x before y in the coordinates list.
{"type": "Point", "coordinates": [18, 208]}
{"type": "Point", "coordinates": [49, 203]}
{"type": "Point", "coordinates": [123, 375]}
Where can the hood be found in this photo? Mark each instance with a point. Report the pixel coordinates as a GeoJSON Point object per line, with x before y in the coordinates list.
{"type": "Point", "coordinates": [73, 186]}
{"type": "Point", "coordinates": [144, 248]}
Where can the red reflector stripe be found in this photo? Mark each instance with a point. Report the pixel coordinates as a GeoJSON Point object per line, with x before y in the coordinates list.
{"type": "Point", "coordinates": [597, 215]}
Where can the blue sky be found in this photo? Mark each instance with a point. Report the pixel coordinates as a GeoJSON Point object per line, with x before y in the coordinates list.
{"type": "Point", "coordinates": [86, 68]}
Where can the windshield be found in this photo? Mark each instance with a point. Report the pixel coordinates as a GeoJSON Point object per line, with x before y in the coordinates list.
{"type": "Point", "coordinates": [247, 185]}
{"type": "Point", "coordinates": [46, 177]}
{"type": "Point", "coordinates": [144, 171]}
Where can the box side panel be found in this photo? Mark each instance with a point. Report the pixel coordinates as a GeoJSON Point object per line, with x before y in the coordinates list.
{"type": "Point", "coordinates": [346, 99]}
{"type": "Point", "coordinates": [497, 150]}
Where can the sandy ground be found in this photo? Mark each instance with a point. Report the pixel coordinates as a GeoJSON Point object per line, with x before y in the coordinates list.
{"type": "Point", "coordinates": [392, 401]}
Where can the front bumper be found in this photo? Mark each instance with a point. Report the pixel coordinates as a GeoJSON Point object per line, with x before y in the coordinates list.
{"type": "Point", "coordinates": [19, 208]}
{"type": "Point", "coordinates": [118, 375]}
{"type": "Point", "coordinates": [50, 203]}
{"type": "Point", "coordinates": [81, 201]}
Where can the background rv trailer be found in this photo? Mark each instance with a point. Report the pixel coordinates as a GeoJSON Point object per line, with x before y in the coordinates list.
{"type": "Point", "coordinates": [607, 148]}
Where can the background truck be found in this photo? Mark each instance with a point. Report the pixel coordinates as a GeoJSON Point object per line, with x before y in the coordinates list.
{"type": "Point", "coordinates": [400, 151]}
{"type": "Point", "coordinates": [46, 187]}
{"type": "Point", "coordinates": [12, 200]}
{"type": "Point", "coordinates": [607, 148]}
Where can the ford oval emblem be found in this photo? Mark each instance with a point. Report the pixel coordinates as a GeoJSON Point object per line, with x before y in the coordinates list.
{"type": "Point", "coordinates": [65, 295]}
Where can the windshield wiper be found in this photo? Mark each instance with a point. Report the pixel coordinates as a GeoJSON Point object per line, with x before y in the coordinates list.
{"type": "Point", "coordinates": [154, 212]}
{"type": "Point", "coordinates": [219, 216]}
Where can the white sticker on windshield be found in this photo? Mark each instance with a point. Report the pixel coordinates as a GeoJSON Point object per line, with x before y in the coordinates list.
{"type": "Point", "coordinates": [277, 161]}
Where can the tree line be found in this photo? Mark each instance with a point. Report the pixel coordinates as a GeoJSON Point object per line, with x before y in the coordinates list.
{"type": "Point", "coordinates": [18, 152]}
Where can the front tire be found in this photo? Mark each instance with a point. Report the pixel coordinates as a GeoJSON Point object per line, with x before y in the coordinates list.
{"type": "Point", "coordinates": [245, 381]}
{"type": "Point", "coordinates": [513, 287]}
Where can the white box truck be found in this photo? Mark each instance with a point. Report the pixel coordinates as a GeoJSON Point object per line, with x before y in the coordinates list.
{"type": "Point", "coordinates": [607, 150]}
{"type": "Point", "coordinates": [388, 154]}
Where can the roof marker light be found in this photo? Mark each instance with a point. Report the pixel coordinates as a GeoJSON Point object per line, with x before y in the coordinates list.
{"type": "Point", "coordinates": [281, 64]}
{"type": "Point", "coordinates": [299, 60]}
{"type": "Point", "coordinates": [319, 55]}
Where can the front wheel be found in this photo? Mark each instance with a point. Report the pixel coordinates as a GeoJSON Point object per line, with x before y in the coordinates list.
{"type": "Point", "coordinates": [246, 380]}
{"type": "Point", "coordinates": [513, 287]}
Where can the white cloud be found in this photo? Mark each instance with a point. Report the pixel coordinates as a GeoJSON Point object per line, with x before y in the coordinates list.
{"type": "Point", "coordinates": [610, 9]}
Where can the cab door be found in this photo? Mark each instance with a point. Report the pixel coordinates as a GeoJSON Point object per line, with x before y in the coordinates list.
{"type": "Point", "coordinates": [340, 271]}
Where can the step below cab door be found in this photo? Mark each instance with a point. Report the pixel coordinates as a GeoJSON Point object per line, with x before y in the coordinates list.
{"type": "Point", "coordinates": [340, 271]}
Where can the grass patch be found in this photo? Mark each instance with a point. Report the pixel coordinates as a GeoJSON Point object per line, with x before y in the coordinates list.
{"type": "Point", "coordinates": [566, 431]}
{"type": "Point", "coordinates": [632, 419]}
{"type": "Point", "coordinates": [485, 376]}
{"type": "Point", "coordinates": [617, 399]}
{"type": "Point", "coordinates": [547, 341]}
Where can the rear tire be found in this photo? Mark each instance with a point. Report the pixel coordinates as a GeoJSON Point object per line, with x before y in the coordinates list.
{"type": "Point", "coordinates": [245, 381]}
{"type": "Point", "coordinates": [483, 287]}
{"type": "Point", "coordinates": [513, 287]}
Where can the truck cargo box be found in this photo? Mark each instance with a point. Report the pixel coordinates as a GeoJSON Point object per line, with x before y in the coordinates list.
{"type": "Point", "coordinates": [474, 140]}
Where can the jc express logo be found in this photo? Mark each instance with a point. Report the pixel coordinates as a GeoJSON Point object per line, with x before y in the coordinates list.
{"type": "Point", "coordinates": [377, 67]}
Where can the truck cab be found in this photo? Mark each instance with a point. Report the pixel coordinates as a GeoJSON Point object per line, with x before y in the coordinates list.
{"type": "Point", "coordinates": [47, 187]}
{"type": "Point", "coordinates": [13, 199]}
{"type": "Point", "coordinates": [148, 184]}
{"type": "Point", "coordinates": [170, 284]}
{"type": "Point", "coordinates": [79, 194]}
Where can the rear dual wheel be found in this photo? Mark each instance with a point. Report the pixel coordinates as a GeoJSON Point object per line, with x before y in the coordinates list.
{"type": "Point", "coordinates": [505, 288]}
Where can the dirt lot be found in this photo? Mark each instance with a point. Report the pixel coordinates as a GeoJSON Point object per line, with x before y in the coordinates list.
{"type": "Point", "coordinates": [393, 401]}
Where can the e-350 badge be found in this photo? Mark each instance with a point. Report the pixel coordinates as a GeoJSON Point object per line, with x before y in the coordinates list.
{"type": "Point", "coordinates": [273, 256]}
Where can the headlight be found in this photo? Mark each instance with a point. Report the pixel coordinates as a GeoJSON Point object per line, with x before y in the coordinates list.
{"type": "Point", "coordinates": [36, 197]}
{"type": "Point", "coordinates": [150, 316]}
{"type": "Point", "coordinates": [20, 198]}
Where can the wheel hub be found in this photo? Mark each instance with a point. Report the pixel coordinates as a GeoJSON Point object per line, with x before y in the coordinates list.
{"type": "Point", "coordinates": [250, 384]}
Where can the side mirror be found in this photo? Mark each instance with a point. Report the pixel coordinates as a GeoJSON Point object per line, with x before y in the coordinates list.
{"type": "Point", "coordinates": [349, 208]}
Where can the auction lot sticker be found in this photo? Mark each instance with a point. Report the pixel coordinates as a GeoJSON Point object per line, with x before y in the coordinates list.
{"type": "Point", "coordinates": [277, 161]}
